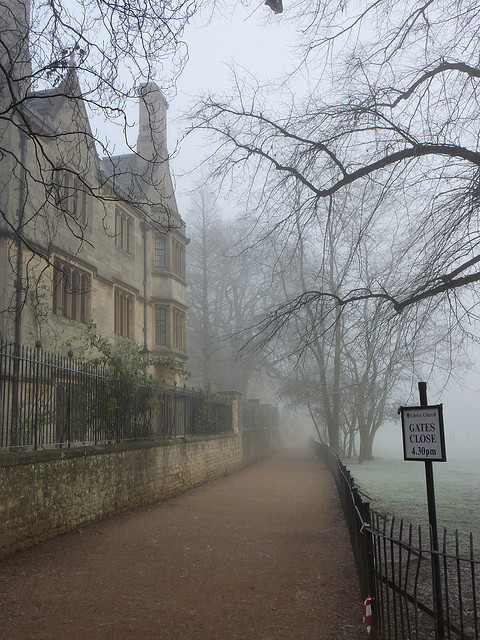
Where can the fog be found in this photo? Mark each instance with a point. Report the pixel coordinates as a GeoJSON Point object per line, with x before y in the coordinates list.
{"type": "Point", "coordinates": [258, 43]}
{"type": "Point", "coordinates": [461, 409]}
{"type": "Point", "coordinates": [261, 44]}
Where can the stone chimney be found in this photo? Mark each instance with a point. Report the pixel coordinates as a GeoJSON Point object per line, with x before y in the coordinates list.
{"type": "Point", "coordinates": [152, 135]}
{"type": "Point", "coordinates": [15, 69]}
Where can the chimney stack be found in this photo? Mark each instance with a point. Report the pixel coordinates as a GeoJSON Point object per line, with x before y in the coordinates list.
{"type": "Point", "coordinates": [152, 135]}
{"type": "Point", "coordinates": [16, 68]}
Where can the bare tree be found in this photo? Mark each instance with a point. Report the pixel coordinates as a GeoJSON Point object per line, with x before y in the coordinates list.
{"type": "Point", "coordinates": [347, 364]}
{"type": "Point", "coordinates": [97, 56]}
{"type": "Point", "coordinates": [96, 53]}
{"type": "Point", "coordinates": [394, 107]}
{"type": "Point", "coordinates": [204, 266]}
{"type": "Point", "coordinates": [228, 289]}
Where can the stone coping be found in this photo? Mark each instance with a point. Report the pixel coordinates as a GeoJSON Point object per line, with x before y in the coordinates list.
{"type": "Point", "coordinates": [15, 458]}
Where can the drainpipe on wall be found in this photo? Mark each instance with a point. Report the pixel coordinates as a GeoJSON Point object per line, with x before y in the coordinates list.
{"type": "Point", "coordinates": [19, 301]}
{"type": "Point", "coordinates": [15, 427]}
{"type": "Point", "coordinates": [145, 227]}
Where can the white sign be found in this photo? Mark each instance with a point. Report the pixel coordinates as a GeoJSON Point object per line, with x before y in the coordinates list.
{"type": "Point", "coordinates": [423, 433]}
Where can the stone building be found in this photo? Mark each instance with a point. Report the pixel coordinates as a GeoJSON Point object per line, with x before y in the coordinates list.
{"type": "Point", "coordinates": [84, 238]}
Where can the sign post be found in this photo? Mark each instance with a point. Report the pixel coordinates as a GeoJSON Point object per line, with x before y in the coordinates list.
{"type": "Point", "coordinates": [424, 440]}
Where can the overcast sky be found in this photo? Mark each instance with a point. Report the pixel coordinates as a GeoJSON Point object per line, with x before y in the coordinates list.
{"type": "Point", "coordinates": [261, 43]}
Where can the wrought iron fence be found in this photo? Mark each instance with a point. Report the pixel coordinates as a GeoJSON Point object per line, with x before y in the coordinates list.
{"type": "Point", "coordinates": [394, 564]}
{"type": "Point", "coordinates": [49, 400]}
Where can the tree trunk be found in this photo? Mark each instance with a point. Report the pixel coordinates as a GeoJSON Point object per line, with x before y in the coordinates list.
{"type": "Point", "coordinates": [366, 447]}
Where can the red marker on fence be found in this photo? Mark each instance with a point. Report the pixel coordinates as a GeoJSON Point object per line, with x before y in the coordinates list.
{"type": "Point", "coordinates": [367, 613]}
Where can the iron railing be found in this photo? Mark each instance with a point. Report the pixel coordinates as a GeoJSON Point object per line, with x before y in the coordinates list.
{"type": "Point", "coordinates": [50, 400]}
{"type": "Point", "coordinates": [394, 564]}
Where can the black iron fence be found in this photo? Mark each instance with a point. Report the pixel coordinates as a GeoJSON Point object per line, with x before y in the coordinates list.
{"type": "Point", "coordinates": [394, 564]}
{"type": "Point", "coordinates": [49, 400]}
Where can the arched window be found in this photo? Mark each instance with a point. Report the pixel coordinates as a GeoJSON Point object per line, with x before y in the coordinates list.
{"type": "Point", "coordinates": [160, 251]}
{"type": "Point", "coordinates": [71, 292]}
{"type": "Point", "coordinates": [123, 231]}
{"type": "Point", "coordinates": [124, 310]}
{"type": "Point", "coordinates": [179, 323]}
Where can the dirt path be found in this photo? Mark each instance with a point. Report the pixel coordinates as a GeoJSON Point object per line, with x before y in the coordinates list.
{"type": "Point", "coordinates": [262, 554]}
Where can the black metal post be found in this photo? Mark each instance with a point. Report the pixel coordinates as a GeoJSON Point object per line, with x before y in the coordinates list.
{"type": "Point", "coordinates": [69, 399]}
{"type": "Point", "coordinates": [20, 293]}
{"type": "Point", "coordinates": [38, 346]}
{"type": "Point", "coordinates": [369, 558]}
{"type": "Point", "coordinates": [432, 518]}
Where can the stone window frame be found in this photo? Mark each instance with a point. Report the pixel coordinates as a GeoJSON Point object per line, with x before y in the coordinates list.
{"type": "Point", "coordinates": [123, 313]}
{"type": "Point", "coordinates": [160, 252]}
{"type": "Point", "coordinates": [161, 326]}
{"type": "Point", "coordinates": [179, 326]}
{"type": "Point", "coordinates": [123, 230]}
{"type": "Point", "coordinates": [72, 288]}
{"type": "Point", "coordinates": [178, 259]}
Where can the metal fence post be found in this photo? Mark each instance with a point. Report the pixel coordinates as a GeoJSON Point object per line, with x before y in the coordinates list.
{"type": "Point", "coordinates": [432, 516]}
{"type": "Point", "coordinates": [369, 557]}
{"type": "Point", "coordinates": [69, 398]}
{"type": "Point", "coordinates": [38, 346]}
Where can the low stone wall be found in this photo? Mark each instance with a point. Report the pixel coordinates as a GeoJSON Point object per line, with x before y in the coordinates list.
{"type": "Point", "coordinates": [44, 493]}
{"type": "Point", "coordinates": [259, 443]}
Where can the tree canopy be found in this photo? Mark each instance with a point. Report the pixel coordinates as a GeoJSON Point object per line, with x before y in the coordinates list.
{"type": "Point", "coordinates": [390, 115]}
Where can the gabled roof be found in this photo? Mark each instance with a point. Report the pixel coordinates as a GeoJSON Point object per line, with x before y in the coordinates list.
{"type": "Point", "coordinates": [62, 110]}
{"type": "Point", "coordinates": [120, 170]}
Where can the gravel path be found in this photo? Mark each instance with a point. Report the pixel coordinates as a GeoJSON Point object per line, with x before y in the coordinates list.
{"type": "Point", "coordinates": [262, 554]}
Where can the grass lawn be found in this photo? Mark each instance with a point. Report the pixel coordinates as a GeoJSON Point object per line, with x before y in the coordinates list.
{"type": "Point", "coordinates": [398, 488]}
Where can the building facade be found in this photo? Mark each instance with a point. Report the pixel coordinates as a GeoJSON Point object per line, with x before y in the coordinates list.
{"type": "Point", "coordinates": [85, 239]}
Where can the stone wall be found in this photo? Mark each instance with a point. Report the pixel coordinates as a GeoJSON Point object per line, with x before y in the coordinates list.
{"type": "Point", "coordinates": [259, 443]}
{"type": "Point", "coordinates": [45, 493]}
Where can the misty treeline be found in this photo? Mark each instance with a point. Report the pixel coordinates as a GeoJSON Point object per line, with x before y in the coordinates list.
{"type": "Point", "coordinates": [227, 293]}
{"type": "Point", "coordinates": [255, 324]}
{"type": "Point", "coordinates": [363, 171]}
